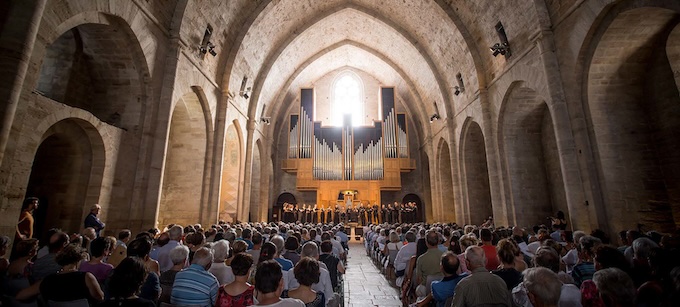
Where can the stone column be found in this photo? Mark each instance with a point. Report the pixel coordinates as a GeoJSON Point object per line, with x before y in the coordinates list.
{"type": "Point", "coordinates": [580, 216]}
{"type": "Point", "coordinates": [16, 46]}
{"type": "Point", "coordinates": [243, 210]}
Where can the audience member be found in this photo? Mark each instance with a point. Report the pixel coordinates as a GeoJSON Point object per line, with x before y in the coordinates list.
{"type": "Point", "coordinates": [219, 269]}
{"type": "Point", "coordinates": [195, 285]}
{"type": "Point", "coordinates": [481, 287]}
{"type": "Point", "coordinates": [279, 243]}
{"type": "Point", "coordinates": [615, 287]}
{"type": "Point", "coordinates": [506, 253]}
{"type": "Point", "coordinates": [48, 264]}
{"type": "Point", "coordinates": [239, 292]}
{"type": "Point", "coordinates": [99, 248]}
{"type": "Point", "coordinates": [492, 261]}
{"type": "Point", "coordinates": [175, 234]}
{"type": "Point", "coordinates": [586, 251]}
{"type": "Point", "coordinates": [543, 287]}
{"type": "Point", "coordinates": [307, 272]}
{"type": "Point", "coordinates": [257, 245]}
{"type": "Point", "coordinates": [125, 283]}
{"type": "Point", "coordinates": [151, 288]}
{"type": "Point", "coordinates": [445, 289]}
{"type": "Point", "coordinates": [269, 285]}
{"type": "Point", "coordinates": [427, 264]}
{"type": "Point", "coordinates": [334, 265]}
{"type": "Point", "coordinates": [68, 284]}
{"type": "Point", "coordinates": [179, 256]}
{"type": "Point", "coordinates": [324, 285]}
{"type": "Point", "coordinates": [291, 246]}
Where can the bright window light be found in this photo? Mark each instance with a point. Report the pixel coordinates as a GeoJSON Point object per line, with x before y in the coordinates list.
{"type": "Point", "coordinates": [347, 94]}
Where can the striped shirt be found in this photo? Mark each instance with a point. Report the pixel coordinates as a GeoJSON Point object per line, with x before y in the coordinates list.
{"type": "Point", "coordinates": [194, 286]}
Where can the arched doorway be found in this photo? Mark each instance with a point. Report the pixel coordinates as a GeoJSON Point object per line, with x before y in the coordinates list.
{"type": "Point", "coordinates": [478, 203]}
{"type": "Point", "coordinates": [532, 163]}
{"type": "Point", "coordinates": [277, 209]}
{"type": "Point", "coordinates": [181, 194]}
{"type": "Point", "coordinates": [413, 198]}
{"type": "Point", "coordinates": [66, 176]}
{"type": "Point", "coordinates": [634, 114]}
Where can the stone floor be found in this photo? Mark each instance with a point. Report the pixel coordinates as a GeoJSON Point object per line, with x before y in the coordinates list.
{"type": "Point", "coordinates": [364, 285]}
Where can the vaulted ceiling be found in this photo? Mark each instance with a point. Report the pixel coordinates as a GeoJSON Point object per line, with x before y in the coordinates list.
{"type": "Point", "coordinates": [417, 45]}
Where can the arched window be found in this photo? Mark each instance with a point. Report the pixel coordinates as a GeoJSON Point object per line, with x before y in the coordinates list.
{"type": "Point", "coordinates": [347, 99]}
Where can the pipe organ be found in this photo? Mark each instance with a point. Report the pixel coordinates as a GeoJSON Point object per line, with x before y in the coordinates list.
{"type": "Point", "coordinates": [331, 159]}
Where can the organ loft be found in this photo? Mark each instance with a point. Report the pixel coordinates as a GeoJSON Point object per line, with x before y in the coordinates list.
{"type": "Point", "coordinates": [203, 111]}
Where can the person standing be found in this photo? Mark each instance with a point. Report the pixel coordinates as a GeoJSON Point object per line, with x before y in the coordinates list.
{"type": "Point", "coordinates": [25, 223]}
{"type": "Point", "coordinates": [93, 221]}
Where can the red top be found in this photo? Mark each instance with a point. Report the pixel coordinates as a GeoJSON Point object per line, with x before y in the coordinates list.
{"type": "Point", "coordinates": [243, 299]}
{"type": "Point", "coordinates": [492, 261]}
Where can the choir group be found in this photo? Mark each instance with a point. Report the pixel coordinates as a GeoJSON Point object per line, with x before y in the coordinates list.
{"type": "Point", "coordinates": [360, 213]}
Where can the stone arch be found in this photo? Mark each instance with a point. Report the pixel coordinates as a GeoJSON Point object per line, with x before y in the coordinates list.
{"type": "Point", "coordinates": [272, 57]}
{"type": "Point", "coordinates": [529, 157]}
{"type": "Point", "coordinates": [256, 180]}
{"type": "Point", "coordinates": [634, 117]}
{"type": "Point", "coordinates": [96, 64]}
{"type": "Point", "coordinates": [182, 198]}
{"type": "Point", "coordinates": [475, 172]}
{"type": "Point", "coordinates": [66, 175]}
{"type": "Point", "coordinates": [230, 188]}
{"type": "Point", "coordinates": [445, 182]}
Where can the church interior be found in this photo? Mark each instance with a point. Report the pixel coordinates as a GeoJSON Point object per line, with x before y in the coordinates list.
{"type": "Point", "coordinates": [187, 112]}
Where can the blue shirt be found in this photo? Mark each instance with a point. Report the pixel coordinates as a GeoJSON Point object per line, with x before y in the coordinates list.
{"type": "Point", "coordinates": [442, 290]}
{"type": "Point", "coordinates": [285, 263]}
{"type": "Point", "coordinates": [194, 286]}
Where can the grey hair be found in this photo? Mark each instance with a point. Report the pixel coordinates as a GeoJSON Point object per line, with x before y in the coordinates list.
{"type": "Point", "coordinates": [475, 255]}
{"type": "Point", "coordinates": [642, 246]}
{"type": "Point", "coordinates": [278, 241]}
{"type": "Point", "coordinates": [310, 250]}
{"type": "Point", "coordinates": [221, 250]}
{"type": "Point", "coordinates": [4, 241]}
{"type": "Point", "coordinates": [179, 254]}
{"type": "Point", "coordinates": [577, 235]}
{"type": "Point", "coordinates": [544, 284]}
{"type": "Point", "coordinates": [176, 232]}
{"type": "Point", "coordinates": [615, 285]}
{"type": "Point", "coordinates": [203, 257]}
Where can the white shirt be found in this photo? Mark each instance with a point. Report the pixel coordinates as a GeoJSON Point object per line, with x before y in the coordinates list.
{"type": "Point", "coordinates": [404, 256]}
{"type": "Point", "coordinates": [570, 259]}
{"type": "Point", "coordinates": [286, 302]}
{"type": "Point", "coordinates": [222, 272]}
{"type": "Point", "coordinates": [570, 296]}
{"type": "Point", "coordinates": [324, 285]}
{"type": "Point", "coordinates": [338, 250]}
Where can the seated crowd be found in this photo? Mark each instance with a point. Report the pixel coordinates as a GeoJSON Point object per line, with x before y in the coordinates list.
{"type": "Point", "coordinates": [448, 265]}
{"type": "Point", "coordinates": [225, 265]}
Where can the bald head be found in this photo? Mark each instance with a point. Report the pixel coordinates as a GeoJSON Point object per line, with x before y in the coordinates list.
{"type": "Point", "coordinates": [475, 257]}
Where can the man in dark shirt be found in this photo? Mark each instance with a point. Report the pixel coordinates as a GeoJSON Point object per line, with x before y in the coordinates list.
{"type": "Point", "coordinates": [93, 221]}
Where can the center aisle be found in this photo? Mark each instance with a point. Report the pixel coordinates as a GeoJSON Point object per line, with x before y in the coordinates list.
{"type": "Point", "coordinates": [364, 285]}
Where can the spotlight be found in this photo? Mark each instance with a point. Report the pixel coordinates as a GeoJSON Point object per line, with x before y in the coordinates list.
{"type": "Point", "coordinates": [434, 117]}
{"type": "Point", "coordinates": [458, 90]}
{"type": "Point", "coordinates": [211, 49]}
{"type": "Point", "coordinates": [499, 48]}
{"type": "Point", "coordinates": [266, 120]}
{"type": "Point", "coordinates": [245, 93]}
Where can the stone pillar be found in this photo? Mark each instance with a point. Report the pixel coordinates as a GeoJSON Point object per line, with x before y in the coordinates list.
{"type": "Point", "coordinates": [499, 204]}
{"type": "Point", "coordinates": [16, 46]}
{"type": "Point", "coordinates": [581, 217]}
{"type": "Point", "coordinates": [243, 211]}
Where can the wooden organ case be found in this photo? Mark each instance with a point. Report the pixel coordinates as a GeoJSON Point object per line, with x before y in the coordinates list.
{"type": "Point", "coordinates": [340, 161]}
